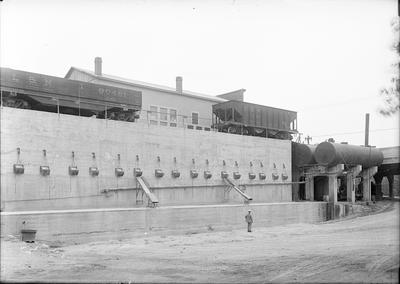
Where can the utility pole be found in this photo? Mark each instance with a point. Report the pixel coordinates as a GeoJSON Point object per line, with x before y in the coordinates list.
{"type": "Point", "coordinates": [308, 138]}
{"type": "Point", "coordinates": [367, 129]}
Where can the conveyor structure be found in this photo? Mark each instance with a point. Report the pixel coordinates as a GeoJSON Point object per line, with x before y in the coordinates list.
{"type": "Point", "coordinates": [231, 185]}
{"type": "Point", "coordinates": [153, 200]}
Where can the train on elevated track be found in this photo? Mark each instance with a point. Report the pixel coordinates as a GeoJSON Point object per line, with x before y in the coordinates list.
{"type": "Point", "coordinates": [26, 90]}
{"type": "Point", "coordinates": [244, 118]}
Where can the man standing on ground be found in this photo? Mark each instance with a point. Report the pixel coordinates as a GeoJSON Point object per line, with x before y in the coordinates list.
{"type": "Point", "coordinates": [249, 220]}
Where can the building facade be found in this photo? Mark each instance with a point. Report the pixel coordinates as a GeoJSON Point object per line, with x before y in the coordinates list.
{"type": "Point", "coordinates": [162, 105]}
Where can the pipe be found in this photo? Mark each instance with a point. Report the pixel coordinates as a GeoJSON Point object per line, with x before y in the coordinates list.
{"type": "Point", "coordinates": [331, 154]}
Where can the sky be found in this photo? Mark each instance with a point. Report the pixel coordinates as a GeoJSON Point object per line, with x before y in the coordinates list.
{"type": "Point", "coordinates": [325, 59]}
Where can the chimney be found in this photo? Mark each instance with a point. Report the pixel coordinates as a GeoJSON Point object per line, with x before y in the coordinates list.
{"type": "Point", "coordinates": [97, 66]}
{"type": "Point", "coordinates": [179, 84]}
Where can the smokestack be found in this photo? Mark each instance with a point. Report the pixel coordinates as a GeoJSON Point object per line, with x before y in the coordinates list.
{"type": "Point", "coordinates": [366, 129]}
{"type": "Point", "coordinates": [179, 84]}
{"type": "Point", "coordinates": [97, 66]}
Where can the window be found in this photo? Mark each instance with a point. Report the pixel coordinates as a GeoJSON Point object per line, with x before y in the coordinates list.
{"type": "Point", "coordinates": [190, 126]}
{"type": "Point", "coordinates": [153, 115]}
{"type": "Point", "coordinates": [207, 128]}
{"type": "Point", "coordinates": [199, 128]}
{"type": "Point", "coordinates": [163, 116]}
{"type": "Point", "coordinates": [172, 117]}
{"type": "Point", "coordinates": [195, 118]}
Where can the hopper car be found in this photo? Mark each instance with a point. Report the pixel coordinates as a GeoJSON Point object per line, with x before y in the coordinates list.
{"type": "Point", "coordinates": [244, 118]}
{"type": "Point", "coordinates": [26, 90]}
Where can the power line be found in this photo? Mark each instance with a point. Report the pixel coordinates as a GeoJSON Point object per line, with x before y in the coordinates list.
{"type": "Point", "coordinates": [335, 104]}
{"type": "Point", "coordinates": [356, 132]}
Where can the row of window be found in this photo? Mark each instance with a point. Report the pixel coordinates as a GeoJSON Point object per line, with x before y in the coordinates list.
{"type": "Point", "coordinates": [168, 116]}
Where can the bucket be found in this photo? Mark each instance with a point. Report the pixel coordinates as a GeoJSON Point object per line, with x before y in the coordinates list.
{"type": "Point", "coordinates": [28, 235]}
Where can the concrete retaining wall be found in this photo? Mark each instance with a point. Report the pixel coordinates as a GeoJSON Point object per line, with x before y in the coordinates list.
{"type": "Point", "coordinates": [342, 210]}
{"type": "Point", "coordinates": [102, 224]}
{"type": "Point", "coordinates": [140, 146]}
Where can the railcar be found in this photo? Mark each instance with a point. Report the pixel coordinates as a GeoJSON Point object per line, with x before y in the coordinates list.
{"type": "Point", "coordinates": [26, 90]}
{"type": "Point", "coordinates": [256, 120]}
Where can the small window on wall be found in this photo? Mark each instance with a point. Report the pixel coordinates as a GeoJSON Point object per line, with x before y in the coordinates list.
{"type": "Point", "coordinates": [153, 115]}
{"type": "Point", "coordinates": [195, 118]}
{"type": "Point", "coordinates": [172, 117]}
{"type": "Point", "coordinates": [163, 116]}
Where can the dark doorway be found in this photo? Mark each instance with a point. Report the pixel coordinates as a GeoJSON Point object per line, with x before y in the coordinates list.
{"type": "Point", "coordinates": [359, 190]}
{"type": "Point", "coordinates": [342, 189]}
{"type": "Point", "coordinates": [320, 187]}
{"type": "Point", "coordinates": [302, 189]}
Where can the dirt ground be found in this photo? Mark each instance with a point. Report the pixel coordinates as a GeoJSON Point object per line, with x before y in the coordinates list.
{"type": "Point", "coordinates": [361, 249]}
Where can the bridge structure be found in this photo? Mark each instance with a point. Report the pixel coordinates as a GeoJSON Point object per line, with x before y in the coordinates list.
{"type": "Point", "coordinates": [389, 168]}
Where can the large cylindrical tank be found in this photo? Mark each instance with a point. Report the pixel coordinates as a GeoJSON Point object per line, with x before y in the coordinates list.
{"type": "Point", "coordinates": [331, 154]}
{"type": "Point", "coordinates": [303, 154]}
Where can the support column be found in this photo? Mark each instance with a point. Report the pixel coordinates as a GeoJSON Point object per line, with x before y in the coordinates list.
{"type": "Point", "coordinates": [366, 189]}
{"type": "Point", "coordinates": [333, 187]}
{"type": "Point", "coordinates": [333, 173]}
{"type": "Point", "coordinates": [366, 175]}
{"type": "Point", "coordinates": [310, 187]}
{"type": "Point", "coordinates": [295, 186]}
{"type": "Point", "coordinates": [350, 183]}
{"type": "Point", "coordinates": [390, 179]}
{"type": "Point", "coordinates": [351, 194]}
{"type": "Point", "coordinates": [357, 182]}
{"type": "Point", "coordinates": [378, 181]}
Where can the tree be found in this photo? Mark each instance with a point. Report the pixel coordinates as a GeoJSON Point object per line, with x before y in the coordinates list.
{"type": "Point", "coordinates": [391, 94]}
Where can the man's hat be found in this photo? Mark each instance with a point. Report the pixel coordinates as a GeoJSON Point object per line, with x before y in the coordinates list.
{"type": "Point", "coordinates": [249, 210]}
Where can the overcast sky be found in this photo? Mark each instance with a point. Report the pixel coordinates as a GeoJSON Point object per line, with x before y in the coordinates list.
{"type": "Point", "coordinates": [325, 59]}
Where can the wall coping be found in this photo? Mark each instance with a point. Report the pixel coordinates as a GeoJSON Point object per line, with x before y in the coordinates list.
{"type": "Point", "coordinates": [11, 213]}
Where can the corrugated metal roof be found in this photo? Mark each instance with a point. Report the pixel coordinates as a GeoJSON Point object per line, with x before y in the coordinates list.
{"type": "Point", "coordinates": [141, 84]}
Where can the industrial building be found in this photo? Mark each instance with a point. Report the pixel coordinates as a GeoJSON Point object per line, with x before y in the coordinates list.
{"type": "Point", "coordinates": [161, 105]}
{"type": "Point", "coordinates": [92, 156]}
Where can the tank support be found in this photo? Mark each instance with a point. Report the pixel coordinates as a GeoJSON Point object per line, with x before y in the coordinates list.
{"type": "Point", "coordinates": [351, 185]}
{"type": "Point", "coordinates": [367, 174]}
